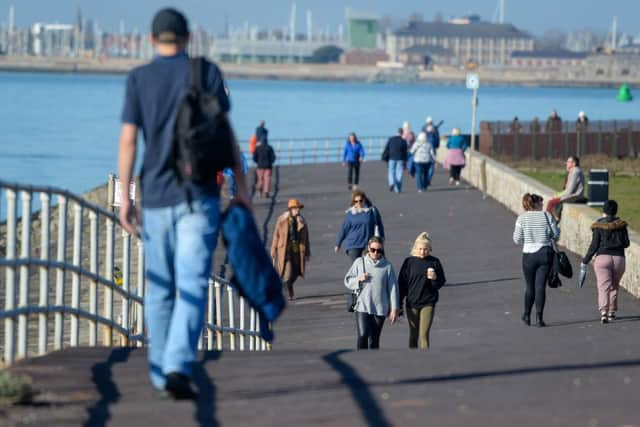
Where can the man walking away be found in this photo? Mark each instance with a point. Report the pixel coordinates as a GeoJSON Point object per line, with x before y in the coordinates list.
{"type": "Point", "coordinates": [397, 148]}
{"type": "Point", "coordinates": [264, 157]}
{"type": "Point", "coordinates": [180, 219]}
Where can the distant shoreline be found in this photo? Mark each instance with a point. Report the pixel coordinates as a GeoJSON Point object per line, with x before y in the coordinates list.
{"type": "Point", "coordinates": [319, 72]}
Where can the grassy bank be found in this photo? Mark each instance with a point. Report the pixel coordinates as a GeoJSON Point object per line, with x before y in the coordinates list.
{"type": "Point", "coordinates": [624, 189]}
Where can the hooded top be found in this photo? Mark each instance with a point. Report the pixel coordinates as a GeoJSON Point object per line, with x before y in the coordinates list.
{"type": "Point", "coordinates": [610, 237]}
{"type": "Point", "coordinates": [357, 228]}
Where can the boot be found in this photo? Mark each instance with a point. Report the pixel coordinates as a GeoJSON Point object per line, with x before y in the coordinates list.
{"type": "Point", "coordinates": [526, 318]}
{"type": "Point", "coordinates": [540, 323]}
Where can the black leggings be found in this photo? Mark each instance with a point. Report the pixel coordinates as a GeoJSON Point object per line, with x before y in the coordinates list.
{"type": "Point", "coordinates": [368, 328]}
{"type": "Point", "coordinates": [353, 176]}
{"type": "Point", "coordinates": [455, 172]}
{"type": "Point", "coordinates": [536, 269]}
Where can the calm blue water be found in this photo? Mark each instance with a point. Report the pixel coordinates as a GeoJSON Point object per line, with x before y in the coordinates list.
{"type": "Point", "coordinates": [62, 130]}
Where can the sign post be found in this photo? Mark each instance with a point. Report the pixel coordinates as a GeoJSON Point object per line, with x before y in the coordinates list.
{"type": "Point", "coordinates": [473, 83]}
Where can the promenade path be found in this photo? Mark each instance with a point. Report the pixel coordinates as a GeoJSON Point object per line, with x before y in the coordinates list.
{"type": "Point", "coordinates": [485, 368]}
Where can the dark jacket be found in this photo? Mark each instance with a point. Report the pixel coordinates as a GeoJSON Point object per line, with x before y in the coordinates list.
{"type": "Point", "coordinates": [262, 134]}
{"type": "Point", "coordinates": [610, 237]}
{"type": "Point", "coordinates": [264, 156]}
{"type": "Point", "coordinates": [414, 284]}
{"type": "Point", "coordinates": [397, 148]}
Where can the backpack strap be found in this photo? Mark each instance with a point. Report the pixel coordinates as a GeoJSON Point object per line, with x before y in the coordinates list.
{"type": "Point", "coordinates": [197, 72]}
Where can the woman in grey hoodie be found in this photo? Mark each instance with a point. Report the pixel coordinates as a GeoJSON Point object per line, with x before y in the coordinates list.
{"type": "Point", "coordinates": [378, 298]}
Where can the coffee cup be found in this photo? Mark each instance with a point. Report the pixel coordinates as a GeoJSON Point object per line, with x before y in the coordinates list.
{"type": "Point", "coordinates": [431, 273]}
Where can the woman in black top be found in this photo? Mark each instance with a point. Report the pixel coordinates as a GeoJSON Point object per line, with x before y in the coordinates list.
{"type": "Point", "coordinates": [420, 278]}
{"type": "Point", "coordinates": [610, 238]}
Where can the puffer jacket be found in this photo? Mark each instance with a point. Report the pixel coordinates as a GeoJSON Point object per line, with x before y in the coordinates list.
{"type": "Point", "coordinates": [609, 237]}
{"type": "Point", "coordinates": [422, 152]}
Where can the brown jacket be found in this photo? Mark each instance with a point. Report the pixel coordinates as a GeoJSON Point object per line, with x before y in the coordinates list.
{"type": "Point", "coordinates": [279, 242]}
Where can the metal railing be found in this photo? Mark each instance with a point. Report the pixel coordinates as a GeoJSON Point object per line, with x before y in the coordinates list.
{"type": "Point", "coordinates": [318, 150]}
{"type": "Point", "coordinates": [535, 140]}
{"type": "Point", "coordinates": [80, 269]}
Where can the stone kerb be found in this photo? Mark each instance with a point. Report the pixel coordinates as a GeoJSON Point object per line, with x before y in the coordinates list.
{"type": "Point", "coordinates": [507, 186]}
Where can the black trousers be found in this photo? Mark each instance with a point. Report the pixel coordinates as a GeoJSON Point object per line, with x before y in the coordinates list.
{"type": "Point", "coordinates": [455, 172]}
{"type": "Point", "coordinates": [354, 253]}
{"type": "Point", "coordinates": [536, 268]}
{"type": "Point", "coordinates": [368, 328]}
{"type": "Point", "coordinates": [353, 175]}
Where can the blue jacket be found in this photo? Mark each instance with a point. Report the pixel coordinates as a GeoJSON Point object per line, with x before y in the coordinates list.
{"type": "Point", "coordinates": [457, 141]}
{"type": "Point", "coordinates": [357, 228]}
{"type": "Point", "coordinates": [353, 153]}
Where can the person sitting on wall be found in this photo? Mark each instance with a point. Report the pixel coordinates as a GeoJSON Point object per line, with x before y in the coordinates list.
{"type": "Point", "coordinates": [573, 190]}
{"type": "Point", "coordinates": [554, 123]}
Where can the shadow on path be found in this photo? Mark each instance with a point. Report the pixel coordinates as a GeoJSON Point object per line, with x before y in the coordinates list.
{"type": "Point", "coordinates": [102, 377]}
{"type": "Point", "coordinates": [206, 403]}
{"type": "Point", "coordinates": [622, 319]}
{"type": "Point", "coordinates": [367, 404]}
{"type": "Point", "coordinates": [480, 282]}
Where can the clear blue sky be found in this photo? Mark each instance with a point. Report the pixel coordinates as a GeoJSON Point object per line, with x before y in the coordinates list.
{"type": "Point", "coordinates": [534, 16]}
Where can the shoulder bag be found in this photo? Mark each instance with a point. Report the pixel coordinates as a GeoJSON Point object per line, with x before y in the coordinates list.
{"type": "Point", "coordinates": [561, 264]}
{"type": "Point", "coordinates": [352, 297]}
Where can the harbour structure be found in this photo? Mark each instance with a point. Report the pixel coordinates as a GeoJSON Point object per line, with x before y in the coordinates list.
{"type": "Point", "coordinates": [468, 39]}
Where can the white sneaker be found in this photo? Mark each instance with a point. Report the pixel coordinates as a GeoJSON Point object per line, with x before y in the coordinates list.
{"type": "Point", "coordinates": [450, 181]}
{"type": "Point", "coordinates": [457, 183]}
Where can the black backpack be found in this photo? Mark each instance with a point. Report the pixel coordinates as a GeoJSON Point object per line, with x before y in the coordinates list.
{"type": "Point", "coordinates": [202, 137]}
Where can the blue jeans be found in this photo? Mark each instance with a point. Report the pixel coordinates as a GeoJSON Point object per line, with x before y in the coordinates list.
{"type": "Point", "coordinates": [422, 175]}
{"type": "Point", "coordinates": [432, 169]}
{"type": "Point", "coordinates": [395, 174]}
{"type": "Point", "coordinates": [178, 246]}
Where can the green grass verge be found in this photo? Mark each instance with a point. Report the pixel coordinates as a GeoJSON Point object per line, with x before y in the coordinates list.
{"type": "Point", "coordinates": [14, 389]}
{"type": "Point", "coordinates": [623, 189]}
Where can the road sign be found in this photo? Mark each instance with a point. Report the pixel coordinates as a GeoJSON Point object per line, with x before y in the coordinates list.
{"type": "Point", "coordinates": [473, 81]}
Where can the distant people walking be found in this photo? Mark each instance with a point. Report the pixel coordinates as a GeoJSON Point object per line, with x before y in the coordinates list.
{"type": "Point", "coordinates": [352, 157]}
{"type": "Point", "coordinates": [423, 159]}
{"type": "Point", "coordinates": [396, 154]}
{"type": "Point", "coordinates": [535, 230]}
{"type": "Point", "coordinates": [582, 123]}
{"type": "Point", "coordinates": [229, 174]}
{"type": "Point", "coordinates": [554, 123]}
{"type": "Point", "coordinates": [180, 219]}
{"type": "Point", "coordinates": [420, 279]}
{"type": "Point", "coordinates": [609, 240]}
{"type": "Point", "coordinates": [357, 227]}
{"type": "Point", "coordinates": [573, 189]}
{"type": "Point", "coordinates": [456, 160]}
{"type": "Point", "coordinates": [290, 247]}
{"type": "Point", "coordinates": [264, 157]}
{"type": "Point", "coordinates": [407, 134]}
{"type": "Point", "coordinates": [262, 133]}
{"type": "Point", "coordinates": [433, 136]}
{"type": "Point", "coordinates": [378, 299]}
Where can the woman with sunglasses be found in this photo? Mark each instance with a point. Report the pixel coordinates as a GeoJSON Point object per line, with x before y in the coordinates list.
{"type": "Point", "coordinates": [358, 226]}
{"type": "Point", "coordinates": [378, 299]}
{"type": "Point", "coordinates": [420, 278]}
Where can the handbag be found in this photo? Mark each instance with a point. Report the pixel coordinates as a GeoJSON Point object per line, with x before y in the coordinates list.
{"type": "Point", "coordinates": [559, 265]}
{"type": "Point", "coordinates": [352, 297]}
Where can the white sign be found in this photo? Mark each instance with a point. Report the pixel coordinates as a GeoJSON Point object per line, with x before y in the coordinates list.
{"type": "Point", "coordinates": [117, 190]}
{"type": "Point", "coordinates": [473, 81]}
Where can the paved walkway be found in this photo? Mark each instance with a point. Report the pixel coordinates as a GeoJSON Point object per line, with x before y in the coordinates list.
{"type": "Point", "coordinates": [485, 368]}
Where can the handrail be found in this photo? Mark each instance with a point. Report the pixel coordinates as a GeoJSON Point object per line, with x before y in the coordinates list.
{"type": "Point", "coordinates": [70, 289]}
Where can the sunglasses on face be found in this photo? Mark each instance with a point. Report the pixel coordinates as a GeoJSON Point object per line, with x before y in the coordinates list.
{"type": "Point", "coordinates": [376, 250]}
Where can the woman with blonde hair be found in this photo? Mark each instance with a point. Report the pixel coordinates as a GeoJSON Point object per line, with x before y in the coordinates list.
{"type": "Point", "coordinates": [420, 279]}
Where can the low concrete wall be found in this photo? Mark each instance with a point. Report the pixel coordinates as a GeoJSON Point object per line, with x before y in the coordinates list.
{"type": "Point", "coordinates": [507, 186]}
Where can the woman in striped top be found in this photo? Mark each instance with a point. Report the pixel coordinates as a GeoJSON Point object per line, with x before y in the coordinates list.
{"type": "Point", "coordinates": [534, 230]}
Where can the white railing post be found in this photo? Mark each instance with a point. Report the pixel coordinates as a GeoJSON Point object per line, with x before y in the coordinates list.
{"type": "Point", "coordinates": [43, 300]}
{"type": "Point", "coordinates": [10, 297]}
{"type": "Point", "coordinates": [326, 151]}
{"type": "Point", "coordinates": [210, 314]}
{"type": "Point", "coordinates": [252, 328]}
{"type": "Point", "coordinates": [62, 246]}
{"type": "Point", "coordinates": [25, 253]}
{"type": "Point", "coordinates": [75, 276]}
{"type": "Point", "coordinates": [93, 283]}
{"type": "Point", "coordinates": [290, 152]}
{"type": "Point", "coordinates": [108, 275]}
{"type": "Point", "coordinates": [126, 268]}
{"type": "Point", "coordinates": [218, 305]}
{"type": "Point", "coordinates": [232, 320]}
{"type": "Point", "coordinates": [141, 292]}
{"type": "Point", "coordinates": [242, 336]}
